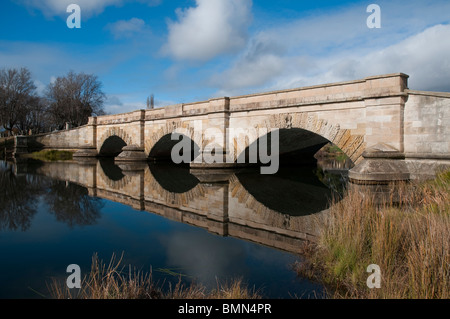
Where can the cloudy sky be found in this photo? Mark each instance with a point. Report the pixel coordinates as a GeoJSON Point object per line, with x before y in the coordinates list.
{"type": "Point", "coordinates": [192, 50]}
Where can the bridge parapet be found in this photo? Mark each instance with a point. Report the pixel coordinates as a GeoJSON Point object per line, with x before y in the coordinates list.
{"type": "Point", "coordinates": [121, 118]}
{"type": "Point", "coordinates": [357, 90]}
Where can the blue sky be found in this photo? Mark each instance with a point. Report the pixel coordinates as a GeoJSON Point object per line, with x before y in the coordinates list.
{"type": "Point", "coordinates": [193, 50]}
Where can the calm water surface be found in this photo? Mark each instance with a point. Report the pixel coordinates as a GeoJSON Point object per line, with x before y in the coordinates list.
{"type": "Point", "coordinates": [209, 227]}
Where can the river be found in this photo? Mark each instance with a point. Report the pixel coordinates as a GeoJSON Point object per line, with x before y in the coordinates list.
{"type": "Point", "coordinates": [209, 227]}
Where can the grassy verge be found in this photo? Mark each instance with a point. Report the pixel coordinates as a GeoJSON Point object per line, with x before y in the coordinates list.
{"type": "Point", "coordinates": [409, 240]}
{"type": "Point", "coordinates": [114, 281]}
{"type": "Point", "coordinates": [52, 155]}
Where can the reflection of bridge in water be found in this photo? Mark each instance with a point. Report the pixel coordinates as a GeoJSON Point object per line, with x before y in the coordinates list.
{"type": "Point", "coordinates": [279, 211]}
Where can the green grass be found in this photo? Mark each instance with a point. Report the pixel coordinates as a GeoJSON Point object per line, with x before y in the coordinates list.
{"type": "Point", "coordinates": [409, 240]}
{"type": "Point", "coordinates": [52, 155]}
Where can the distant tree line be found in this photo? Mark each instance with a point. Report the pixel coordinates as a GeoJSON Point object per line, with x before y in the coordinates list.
{"type": "Point", "coordinates": [69, 99]}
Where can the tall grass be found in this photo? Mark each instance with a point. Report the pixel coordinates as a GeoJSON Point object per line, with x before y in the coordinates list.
{"type": "Point", "coordinates": [115, 281]}
{"type": "Point", "coordinates": [408, 238]}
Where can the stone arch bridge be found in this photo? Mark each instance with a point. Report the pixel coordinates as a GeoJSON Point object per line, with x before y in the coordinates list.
{"type": "Point", "coordinates": [388, 131]}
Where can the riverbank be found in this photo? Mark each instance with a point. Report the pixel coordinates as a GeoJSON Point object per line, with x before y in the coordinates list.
{"type": "Point", "coordinates": [50, 155]}
{"type": "Point", "coordinates": [409, 240]}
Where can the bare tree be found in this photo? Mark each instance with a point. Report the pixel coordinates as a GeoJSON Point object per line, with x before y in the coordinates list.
{"type": "Point", "coordinates": [75, 97]}
{"type": "Point", "coordinates": [35, 118]}
{"type": "Point", "coordinates": [17, 92]}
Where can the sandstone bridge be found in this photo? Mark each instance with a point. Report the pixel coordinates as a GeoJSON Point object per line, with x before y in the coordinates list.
{"type": "Point", "coordinates": [388, 131]}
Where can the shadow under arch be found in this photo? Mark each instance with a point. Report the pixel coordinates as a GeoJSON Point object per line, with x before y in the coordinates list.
{"type": "Point", "coordinates": [110, 169]}
{"type": "Point", "coordinates": [173, 178]}
{"type": "Point", "coordinates": [294, 146]}
{"type": "Point", "coordinates": [349, 141]}
{"type": "Point", "coordinates": [293, 191]}
{"type": "Point", "coordinates": [300, 186]}
{"type": "Point", "coordinates": [112, 146]}
{"type": "Point", "coordinates": [111, 174]}
{"type": "Point", "coordinates": [188, 150]}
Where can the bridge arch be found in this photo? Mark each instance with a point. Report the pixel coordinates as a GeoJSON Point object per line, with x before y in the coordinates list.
{"type": "Point", "coordinates": [182, 196]}
{"type": "Point", "coordinates": [302, 224]}
{"type": "Point", "coordinates": [159, 145]}
{"type": "Point", "coordinates": [173, 178]}
{"type": "Point", "coordinates": [112, 141]}
{"type": "Point", "coordinates": [296, 124]}
{"type": "Point", "coordinates": [112, 176]}
{"type": "Point", "coordinates": [308, 191]}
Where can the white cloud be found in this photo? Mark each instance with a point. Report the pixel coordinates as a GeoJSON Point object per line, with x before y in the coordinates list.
{"type": "Point", "coordinates": [127, 28]}
{"type": "Point", "coordinates": [261, 68]}
{"type": "Point", "coordinates": [338, 46]}
{"type": "Point", "coordinates": [425, 57]}
{"type": "Point", "coordinates": [251, 73]}
{"type": "Point", "coordinates": [211, 28]}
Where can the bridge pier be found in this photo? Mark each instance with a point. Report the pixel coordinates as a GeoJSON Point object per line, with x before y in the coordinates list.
{"type": "Point", "coordinates": [382, 164]}
{"type": "Point", "coordinates": [89, 149]}
{"type": "Point", "coordinates": [219, 162]}
{"type": "Point", "coordinates": [215, 145]}
{"type": "Point", "coordinates": [131, 153]}
{"type": "Point", "coordinates": [86, 152]}
{"type": "Point", "coordinates": [217, 181]}
{"type": "Point", "coordinates": [210, 175]}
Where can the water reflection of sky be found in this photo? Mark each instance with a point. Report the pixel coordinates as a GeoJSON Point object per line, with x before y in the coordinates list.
{"type": "Point", "coordinates": [53, 237]}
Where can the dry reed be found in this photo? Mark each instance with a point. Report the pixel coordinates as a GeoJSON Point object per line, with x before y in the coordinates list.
{"type": "Point", "coordinates": [409, 238]}
{"type": "Point", "coordinates": [113, 281]}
